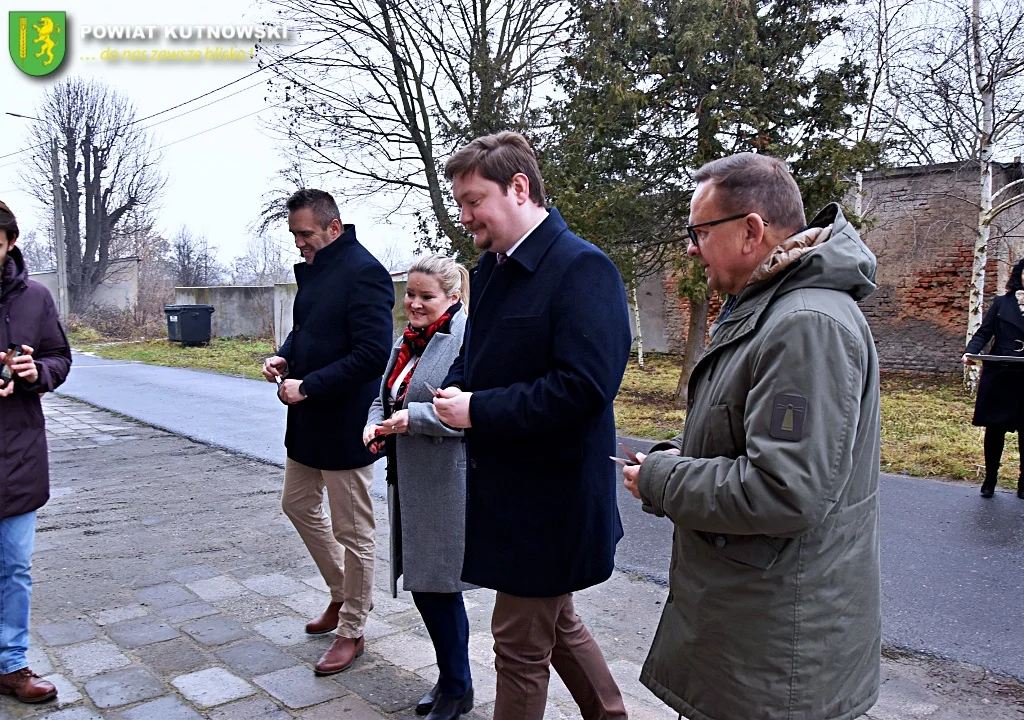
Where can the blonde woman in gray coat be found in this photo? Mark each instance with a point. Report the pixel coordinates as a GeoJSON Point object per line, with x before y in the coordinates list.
{"type": "Point", "coordinates": [427, 474]}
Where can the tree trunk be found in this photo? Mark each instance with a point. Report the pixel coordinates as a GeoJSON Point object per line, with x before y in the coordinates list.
{"type": "Point", "coordinates": [695, 334]}
{"type": "Point", "coordinates": [985, 89]}
{"type": "Point", "coordinates": [639, 332]}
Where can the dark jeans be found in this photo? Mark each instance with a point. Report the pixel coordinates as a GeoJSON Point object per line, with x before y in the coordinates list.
{"type": "Point", "coordinates": [444, 614]}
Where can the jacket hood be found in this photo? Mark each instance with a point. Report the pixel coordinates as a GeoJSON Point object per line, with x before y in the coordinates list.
{"type": "Point", "coordinates": [830, 254]}
{"type": "Point", "coordinates": [13, 274]}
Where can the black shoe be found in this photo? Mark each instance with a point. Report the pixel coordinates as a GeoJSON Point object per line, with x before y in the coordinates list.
{"type": "Point", "coordinates": [988, 488]}
{"type": "Point", "coordinates": [450, 707]}
{"type": "Point", "coordinates": [426, 702]}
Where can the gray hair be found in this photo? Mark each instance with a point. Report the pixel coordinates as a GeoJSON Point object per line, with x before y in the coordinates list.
{"type": "Point", "coordinates": [451, 275]}
{"type": "Point", "coordinates": [760, 184]}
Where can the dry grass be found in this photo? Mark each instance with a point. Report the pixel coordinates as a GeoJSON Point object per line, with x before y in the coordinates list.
{"type": "Point", "coordinates": [644, 405]}
{"type": "Point", "coordinates": [926, 424]}
{"type": "Point", "coordinates": [242, 357]}
{"type": "Point", "coordinates": [926, 430]}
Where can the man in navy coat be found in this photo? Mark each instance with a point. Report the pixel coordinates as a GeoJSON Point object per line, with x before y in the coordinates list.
{"type": "Point", "coordinates": [332, 362]}
{"type": "Point", "coordinates": [544, 353]}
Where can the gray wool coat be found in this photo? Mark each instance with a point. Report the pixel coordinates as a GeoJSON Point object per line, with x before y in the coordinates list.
{"type": "Point", "coordinates": [428, 531]}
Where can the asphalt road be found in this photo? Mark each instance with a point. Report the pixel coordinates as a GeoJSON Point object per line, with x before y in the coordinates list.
{"type": "Point", "coordinates": [952, 563]}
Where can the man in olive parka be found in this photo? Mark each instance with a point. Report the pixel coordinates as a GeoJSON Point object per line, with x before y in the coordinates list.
{"type": "Point", "coordinates": [773, 610]}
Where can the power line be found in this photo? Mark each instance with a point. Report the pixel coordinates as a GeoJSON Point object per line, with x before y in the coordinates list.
{"type": "Point", "coordinates": [243, 117]}
{"type": "Point", "coordinates": [187, 102]}
{"type": "Point", "coordinates": [215, 127]}
{"type": "Point", "coordinates": [212, 102]}
{"type": "Point", "coordinates": [238, 80]}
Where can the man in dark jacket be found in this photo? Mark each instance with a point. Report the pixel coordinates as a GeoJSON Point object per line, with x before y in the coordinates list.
{"type": "Point", "coordinates": [332, 362]}
{"type": "Point", "coordinates": [544, 352]}
{"type": "Point", "coordinates": [30, 324]}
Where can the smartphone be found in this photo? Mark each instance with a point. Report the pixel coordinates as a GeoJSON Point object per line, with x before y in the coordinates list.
{"type": "Point", "coordinates": [629, 454]}
{"type": "Point", "coordinates": [630, 460]}
{"type": "Point", "coordinates": [6, 374]}
{"type": "Point", "coordinates": [376, 443]}
{"type": "Point", "coordinates": [433, 390]}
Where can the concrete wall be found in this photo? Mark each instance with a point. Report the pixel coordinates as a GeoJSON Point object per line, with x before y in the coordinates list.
{"type": "Point", "coordinates": [120, 288]}
{"type": "Point", "coordinates": [650, 296]}
{"type": "Point", "coordinates": [284, 299]}
{"type": "Point", "coordinates": [238, 310]}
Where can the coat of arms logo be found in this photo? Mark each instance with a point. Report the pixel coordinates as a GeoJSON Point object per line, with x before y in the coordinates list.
{"type": "Point", "coordinates": [38, 40]}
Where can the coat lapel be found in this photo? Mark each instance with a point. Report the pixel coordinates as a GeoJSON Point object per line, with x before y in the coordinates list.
{"type": "Point", "coordinates": [493, 280]}
{"type": "Point", "coordinates": [435, 353]}
{"type": "Point", "coordinates": [1010, 312]}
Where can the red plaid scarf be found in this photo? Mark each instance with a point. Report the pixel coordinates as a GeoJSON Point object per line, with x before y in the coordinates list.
{"type": "Point", "coordinates": [414, 342]}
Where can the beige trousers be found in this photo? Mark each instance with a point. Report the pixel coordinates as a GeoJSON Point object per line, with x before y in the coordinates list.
{"type": "Point", "coordinates": [533, 634]}
{"type": "Point", "coordinates": [342, 547]}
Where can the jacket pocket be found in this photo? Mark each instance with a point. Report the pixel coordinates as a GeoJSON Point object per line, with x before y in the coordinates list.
{"type": "Point", "coordinates": [756, 551]}
{"type": "Point", "coordinates": [718, 437]}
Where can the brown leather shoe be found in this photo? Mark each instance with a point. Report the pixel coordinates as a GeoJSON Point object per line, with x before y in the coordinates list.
{"type": "Point", "coordinates": [27, 686]}
{"type": "Point", "coordinates": [339, 656]}
{"type": "Point", "coordinates": [326, 622]}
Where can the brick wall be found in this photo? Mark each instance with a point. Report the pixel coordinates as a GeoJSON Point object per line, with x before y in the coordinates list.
{"type": "Point", "coordinates": [921, 223]}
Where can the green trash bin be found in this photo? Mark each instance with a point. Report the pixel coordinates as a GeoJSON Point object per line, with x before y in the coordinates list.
{"type": "Point", "coordinates": [189, 324]}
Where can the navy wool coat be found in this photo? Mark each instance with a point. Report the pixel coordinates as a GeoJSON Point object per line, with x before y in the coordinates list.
{"type": "Point", "coordinates": [1000, 401]}
{"type": "Point", "coordinates": [339, 344]}
{"type": "Point", "coordinates": [28, 316]}
{"type": "Point", "coordinates": [544, 353]}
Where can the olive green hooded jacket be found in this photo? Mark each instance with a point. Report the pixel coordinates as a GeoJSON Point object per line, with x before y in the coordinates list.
{"type": "Point", "coordinates": [774, 604]}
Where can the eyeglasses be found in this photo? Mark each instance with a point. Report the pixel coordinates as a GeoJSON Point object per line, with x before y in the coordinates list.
{"type": "Point", "coordinates": [691, 230]}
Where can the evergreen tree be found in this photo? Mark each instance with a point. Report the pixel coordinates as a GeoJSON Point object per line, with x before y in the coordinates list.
{"type": "Point", "coordinates": [656, 88]}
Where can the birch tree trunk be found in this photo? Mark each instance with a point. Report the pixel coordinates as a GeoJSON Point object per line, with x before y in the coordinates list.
{"type": "Point", "coordinates": [639, 332]}
{"type": "Point", "coordinates": [986, 91]}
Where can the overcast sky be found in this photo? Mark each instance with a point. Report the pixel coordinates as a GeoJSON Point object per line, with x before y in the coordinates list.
{"type": "Point", "coordinates": [215, 180]}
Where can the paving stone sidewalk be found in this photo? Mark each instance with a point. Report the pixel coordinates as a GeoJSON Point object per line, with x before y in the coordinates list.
{"type": "Point", "coordinates": [169, 586]}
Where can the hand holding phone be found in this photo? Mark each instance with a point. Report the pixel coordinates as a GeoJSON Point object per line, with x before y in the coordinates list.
{"type": "Point", "coordinates": [376, 443]}
{"type": "Point", "coordinates": [6, 373]}
{"type": "Point", "coordinates": [630, 460]}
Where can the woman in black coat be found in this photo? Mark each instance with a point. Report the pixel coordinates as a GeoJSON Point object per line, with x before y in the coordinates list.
{"type": "Point", "coordinates": [999, 407]}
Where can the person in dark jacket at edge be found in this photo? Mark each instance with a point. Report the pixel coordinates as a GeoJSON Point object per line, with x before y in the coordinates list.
{"type": "Point", "coordinates": [999, 407]}
{"type": "Point", "coordinates": [774, 602]}
{"type": "Point", "coordinates": [543, 354]}
{"type": "Point", "coordinates": [28, 320]}
{"type": "Point", "coordinates": [329, 369]}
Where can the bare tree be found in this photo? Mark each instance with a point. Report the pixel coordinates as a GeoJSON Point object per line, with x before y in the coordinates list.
{"type": "Point", "coordinates": [108, 168]}
{"type": "Point", "coordinates": [394, 86]}
{"type": "Point", "coordinates": [263, 263]}
{"type": "Point", "coordinates": [956, 93]}
{"type": "Point", "coordinates": [137, 237]}
{"type": "Point", "coordinates": [193, 259]}
{"type": "Point", "coordinates": [287, 180]}
{"type": "Point", "coordinates": [38, 254]}
{"type": "Point", "coordinates": [394, 258]}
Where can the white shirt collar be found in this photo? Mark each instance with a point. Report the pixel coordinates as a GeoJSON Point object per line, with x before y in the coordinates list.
{"type": "Point", "coordinates": [520, 241]}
